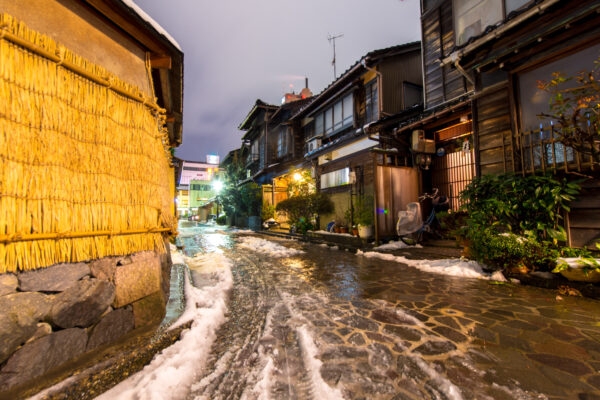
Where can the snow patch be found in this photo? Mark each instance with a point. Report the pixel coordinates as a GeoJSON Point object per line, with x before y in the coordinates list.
{"type": "Point", "coordinates": [142, 14]}
{"type": "Point", "coordinates": [392, 245]}
{"type": "Point", "coordinates": [321, 390]}
{"type": "Point", "coordinates": [332, 233]}
{"type": "Point", "coordinates": [172, 372]}
{"type": "Point", "coordinates": [451, 267]}
{"type": "Point", "coordinates": [267, 247]}
{"type": "Point", "coordinates": [243, 231]}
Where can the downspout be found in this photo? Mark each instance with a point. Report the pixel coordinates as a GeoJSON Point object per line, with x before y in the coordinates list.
{"type": "Point", "coordinates": [379, 86]}
{"type": "Point", "coordinates": [456, 62]}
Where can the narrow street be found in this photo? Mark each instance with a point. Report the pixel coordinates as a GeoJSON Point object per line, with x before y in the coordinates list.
{"type": "Point", "coordinates": [325, 323]}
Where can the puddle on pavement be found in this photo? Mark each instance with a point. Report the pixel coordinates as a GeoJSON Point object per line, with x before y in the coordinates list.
{"type": "Point", "coordinates": [383, 330]}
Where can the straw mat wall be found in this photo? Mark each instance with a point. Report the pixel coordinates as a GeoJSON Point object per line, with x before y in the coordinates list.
{"type": "Point", "coordinates": [84, 161]}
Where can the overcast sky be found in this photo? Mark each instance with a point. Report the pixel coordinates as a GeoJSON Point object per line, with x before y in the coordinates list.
{"type": "Point", "coordinates": [238, 51]}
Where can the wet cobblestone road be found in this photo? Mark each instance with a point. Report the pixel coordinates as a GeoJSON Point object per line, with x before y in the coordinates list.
{"type": "Point", "coordinates": [328, 323]}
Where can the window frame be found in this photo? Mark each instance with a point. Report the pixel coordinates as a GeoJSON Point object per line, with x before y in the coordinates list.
{"type": "Point", "coordinates": [345, 120]}
{"type": "Point", "coordinates": [504, 13]}
{"type": "Point", "coordinates": [371, 92]}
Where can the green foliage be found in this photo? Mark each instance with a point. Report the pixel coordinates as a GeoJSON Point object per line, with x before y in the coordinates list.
{"type": "Point", "coordinates": [241, 200]}
{"type": "Point", "coordinates": [530, 206]}
{"type": "Point", "coordinates": [586, 259]}
{"type": "Point", "coordinates": [268, 211]}
{"type": "Point", "coordinates": [528, 209]}
{"type": "Point", "coordinates": [508, 250]}
{"type": "Point", "coordinates": [575, 109]}
{"type": "Point", "coordinates": [302, 186]}
{"type": "Point", "coordinates": [222, 220]}
{"type": "Point", "coordinates": [364, 210]}
{"type": "Point", "coordinates": [305, 207]}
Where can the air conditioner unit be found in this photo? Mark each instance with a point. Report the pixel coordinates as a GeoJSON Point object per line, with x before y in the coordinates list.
{"type": "Point", "coordinates": [313, 144]}
{"type": "Point", "coordinates": [420, 144]}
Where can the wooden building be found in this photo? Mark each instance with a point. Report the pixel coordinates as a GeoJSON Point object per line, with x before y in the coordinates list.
{"type": "Point", "coordinates": [383, 82]}
{"type": "Point", "coordinates": [481, 64]}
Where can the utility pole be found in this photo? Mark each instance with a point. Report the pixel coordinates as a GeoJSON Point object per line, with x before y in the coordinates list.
{"type": "Point", "coordinates": [331, 39]}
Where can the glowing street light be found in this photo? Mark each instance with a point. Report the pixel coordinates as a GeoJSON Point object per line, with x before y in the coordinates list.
{"type": "Point", "coordinates": [217, 186]}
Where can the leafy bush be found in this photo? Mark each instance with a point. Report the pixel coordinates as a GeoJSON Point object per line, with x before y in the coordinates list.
{"type": "Point", "coordinates": [305, 207]}
{"type": "Point", "coordinates": [516, 220]}
{"type": "Point", "coordinates": [222, 220]}
{"type": "Point", "coordinates": [364, 210]}
{"type": "Point", "coordinates": [530, 206]}
{"type": "Point", "coordinates": [268, 211]}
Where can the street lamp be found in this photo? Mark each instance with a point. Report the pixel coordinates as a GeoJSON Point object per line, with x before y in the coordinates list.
{"type": "Point", "coordinates": [217, 186]}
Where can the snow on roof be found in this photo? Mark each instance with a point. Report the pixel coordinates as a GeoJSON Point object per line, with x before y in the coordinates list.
{"type": "Point", "coordinates": [142, 14]}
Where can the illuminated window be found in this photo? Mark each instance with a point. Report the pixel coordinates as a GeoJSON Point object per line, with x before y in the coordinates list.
{"type": "Point", "coordinates": [335, 178]}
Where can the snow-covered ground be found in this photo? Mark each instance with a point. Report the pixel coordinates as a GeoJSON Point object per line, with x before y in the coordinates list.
{"type": "Point", "coordinates": [267, 247]}
{"type": "Point", "coordinates": [395, 245]}
{"type": "Point", "coordinates": [171, 373]}
{"type": "Point", "coordinates": [451, 267]}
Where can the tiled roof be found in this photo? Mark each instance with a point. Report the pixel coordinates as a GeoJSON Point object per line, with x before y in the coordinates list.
{"type": "Point", "coordinates": [370, 56]}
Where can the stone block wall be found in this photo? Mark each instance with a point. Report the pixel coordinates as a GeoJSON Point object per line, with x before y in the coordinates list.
{"type": "Point", "coordinates": [56, 314]}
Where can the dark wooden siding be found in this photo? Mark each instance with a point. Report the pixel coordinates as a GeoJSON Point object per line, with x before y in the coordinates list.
{"type": "Point", "coordinates": [584, 218]}
{"type": "Point", "coordinates": [494, 132]}
{"type": "Point", "coordinates": [432, 53]}
{"type": "Point", "coordinates": [441, 83]}
{"type": "Point", "coordinates": [396, 71]}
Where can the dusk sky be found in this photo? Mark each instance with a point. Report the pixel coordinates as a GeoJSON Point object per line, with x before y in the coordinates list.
{"type": "Point", "coordinates": [238, 51]}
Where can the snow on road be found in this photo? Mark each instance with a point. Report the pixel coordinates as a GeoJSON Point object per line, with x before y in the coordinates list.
{"type": "Point", "coordinates": [451, 267]}
{"type": "Point", "coordinates": [267, 247]}
{"type": "Point", "coordinates": [172, 372]}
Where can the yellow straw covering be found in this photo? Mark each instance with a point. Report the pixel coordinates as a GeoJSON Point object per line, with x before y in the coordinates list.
{"type": "Point", "coordinates": [84, 158]}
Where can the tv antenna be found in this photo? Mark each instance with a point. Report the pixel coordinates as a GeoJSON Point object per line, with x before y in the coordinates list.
{"type": "Point", "coordinates": [331, 39]}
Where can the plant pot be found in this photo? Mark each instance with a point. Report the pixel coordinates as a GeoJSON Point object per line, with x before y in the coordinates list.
{"type": "Point", "coordinates": [354, 231]}
{"type": "Point", "coordinates": [337, 229]}
{"type": "Point", "coordinates": [343, 229]}
{"type": "Point", "coordinates": [365, 232]}
{"type": "Point", "coordinates": [578, 275]}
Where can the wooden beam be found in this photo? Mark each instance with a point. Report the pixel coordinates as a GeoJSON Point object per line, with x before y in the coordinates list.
{"type": "Point", "coordinates": [139, 32]}
{"type": "Point", "coordinates": [160, 61]}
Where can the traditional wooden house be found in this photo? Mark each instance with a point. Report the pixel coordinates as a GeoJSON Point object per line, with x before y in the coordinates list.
{"type": "Point", "coordinates": [257, 135]}
{"type": "Point", "coordinates": [383, 82]}
{"type": "Point", "coordinates": [482, 61]}
{"type": "Point", "coordinates": [284, 151]}
{"type": "Point", "coordinates": [90, 109]}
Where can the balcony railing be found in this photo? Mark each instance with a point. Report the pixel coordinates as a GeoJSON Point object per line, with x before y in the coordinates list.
{"type": "Point", "coordinates": [542, 151]}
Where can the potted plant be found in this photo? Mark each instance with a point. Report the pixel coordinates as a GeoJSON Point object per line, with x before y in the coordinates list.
{"type": "Point", "coordinates": [354, 230]}
{"type": "Point", "coordinates": [364, 216]}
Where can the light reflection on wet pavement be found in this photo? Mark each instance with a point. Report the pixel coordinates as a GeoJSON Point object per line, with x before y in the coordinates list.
{"type": "Point", "coordinates": [383, 330]}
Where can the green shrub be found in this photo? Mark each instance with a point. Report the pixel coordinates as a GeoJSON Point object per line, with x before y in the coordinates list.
{"type": "Point", "coordinates": [268, 211]}
{"type": "Point", "coordinates": [222, 220]}
{"type": "Point", "coordinates": [514, 219]}
{"type": "Point", "coordinates": [364, 210]}
{"type": "Point", "coordinates": [305, 207]}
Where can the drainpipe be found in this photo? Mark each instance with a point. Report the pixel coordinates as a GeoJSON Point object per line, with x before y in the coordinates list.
{"type": "Point", "coordinates": [379, 85]}
{"type": "Point", "coordinates": [456, 60]}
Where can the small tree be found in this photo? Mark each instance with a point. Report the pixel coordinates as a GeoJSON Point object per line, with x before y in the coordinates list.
{"type": "Point", "coordinates": [304, 208]}
{"type": "Point", "coordinates": [575, 109]}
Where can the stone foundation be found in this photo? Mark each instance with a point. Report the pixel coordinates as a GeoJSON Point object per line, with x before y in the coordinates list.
{"type": "Point", "coordinates": [56, 314]}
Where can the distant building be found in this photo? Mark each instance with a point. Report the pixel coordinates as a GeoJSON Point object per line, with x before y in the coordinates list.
{"type": "Point", "coordinates": [195, 187]}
